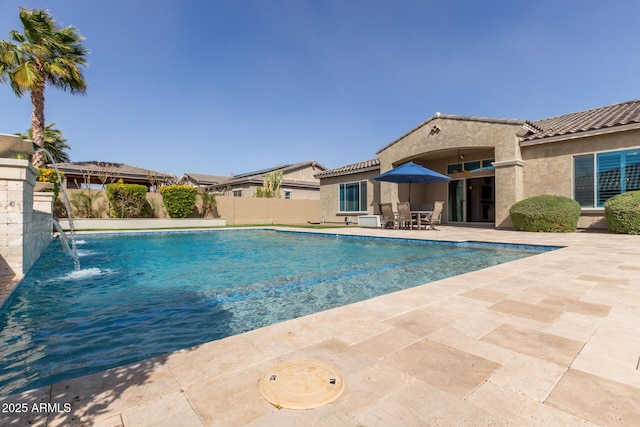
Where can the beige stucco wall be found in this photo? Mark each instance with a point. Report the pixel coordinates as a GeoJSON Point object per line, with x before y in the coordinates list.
{"type": "Point", "coordinates": [330, 193]}
{"type": "Point", "coordinates": [296, 192]}
{"type": "Point", "coordinates": [236, 210]}
{"type": "Point", "coordinates": [254, 210]}
{"type": "Point", "coordinates": [548, 167]}
{"type": "Point", "coordinates": [303, 174]}
{"type": "Point", "coordinates": [302, 193]}
{"type": "Point", "coordinates": [442, 148]}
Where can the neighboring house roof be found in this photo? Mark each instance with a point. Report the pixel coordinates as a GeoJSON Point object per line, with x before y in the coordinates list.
{"type": "Point", "coordinates": [624, 113]}
{"type": "Point", "coordinates": [257, 177]}
{"type": "Point", "coordinates": [200, 179]}
{"type": "Point", "coordinates": [367, 165]}
{"type": "Point", "coordinates": [117, 170]}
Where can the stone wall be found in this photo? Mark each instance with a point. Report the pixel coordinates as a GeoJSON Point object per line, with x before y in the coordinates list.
{"type": "Point", "coordinates": [24, 231]}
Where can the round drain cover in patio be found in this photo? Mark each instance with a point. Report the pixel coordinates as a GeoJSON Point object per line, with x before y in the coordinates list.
{"type": "Point", "coordinates": [301, 384]}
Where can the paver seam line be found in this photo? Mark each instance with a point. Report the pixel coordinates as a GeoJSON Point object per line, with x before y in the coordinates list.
{"type": "Point", "coordinates": [193, 408]}
{"type": "Point", "coordinates": [544, 402]}
{"type": "Point", "coordinates": [569, 366]}
{"type": "Point", "coordinates": [50, 387]}
{"type": "Point", "coordinates": [379, 359]}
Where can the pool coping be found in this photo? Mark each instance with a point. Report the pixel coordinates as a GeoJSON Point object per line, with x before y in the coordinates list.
{"type": "Point", "coordinates": [558, 296]}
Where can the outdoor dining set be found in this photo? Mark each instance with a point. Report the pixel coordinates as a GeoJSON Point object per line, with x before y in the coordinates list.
{"type": "Point", "coordinates": [410, 216]}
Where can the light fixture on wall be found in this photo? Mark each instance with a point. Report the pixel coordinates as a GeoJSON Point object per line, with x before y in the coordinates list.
{"type": "Point", "coordinates": [460, 161]}
{"type": "Point", "coordinates": [435, 129]}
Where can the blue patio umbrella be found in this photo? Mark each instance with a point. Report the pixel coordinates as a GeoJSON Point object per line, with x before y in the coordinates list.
{"type": "Point", "coordinates": [410, 173]}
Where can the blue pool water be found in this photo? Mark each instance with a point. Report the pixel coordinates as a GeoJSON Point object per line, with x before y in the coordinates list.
{"type": "Point", "coordinates": [141, 295]}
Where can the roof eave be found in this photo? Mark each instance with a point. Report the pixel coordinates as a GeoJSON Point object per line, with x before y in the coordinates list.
{"type": "Point", "coordinates": [350, 172]}
{"type": "Point", "coordinates": [577, 135]}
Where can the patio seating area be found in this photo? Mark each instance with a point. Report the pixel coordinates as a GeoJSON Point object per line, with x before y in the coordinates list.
{"type": "Point", "coordinates": [553, 339]}
{"type": "Point", "coordinates": [410, 217]}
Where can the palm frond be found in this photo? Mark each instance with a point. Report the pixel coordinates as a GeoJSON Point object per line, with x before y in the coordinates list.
{"type": "Point", "coordinates": [25, 75]}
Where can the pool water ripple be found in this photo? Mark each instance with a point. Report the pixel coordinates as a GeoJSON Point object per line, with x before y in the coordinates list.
{"type": "Point", "coordinates": [139, 296]}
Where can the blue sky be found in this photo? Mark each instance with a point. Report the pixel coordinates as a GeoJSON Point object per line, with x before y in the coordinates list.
{"type": "Point", "coordinates": [239, 85]}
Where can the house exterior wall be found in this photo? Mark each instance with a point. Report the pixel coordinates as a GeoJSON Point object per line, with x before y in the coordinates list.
{"type": "Point", "coordinates": [456, 134]}
{"type": "Point", "coordinates": [330, 194]}
{"type": "Point", "coordinates": [296, 192]}
{"type": "Point", "coordinates": [548, 167]}
{"type": "Point", "coordinates": [301, 193]}
{"type": "Point", "coordinates": [304, 174]}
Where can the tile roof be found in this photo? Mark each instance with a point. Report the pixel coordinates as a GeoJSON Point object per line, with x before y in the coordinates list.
{"type": "Point", "coordinates": [352, 168]}
{"type": "Point", "coordinates": [624, 113]}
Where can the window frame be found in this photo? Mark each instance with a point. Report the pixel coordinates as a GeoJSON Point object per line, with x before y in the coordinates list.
{"type": "Point", "coordinates": [361, 197]}
{"type": "Point", "coordinates": [484, 166]}
{"type": "Point", "coordinates": [596, 205]}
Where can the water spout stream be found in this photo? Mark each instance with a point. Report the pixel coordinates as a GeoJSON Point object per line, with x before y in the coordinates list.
{"type": "Point", "coordinates": [72, 231]}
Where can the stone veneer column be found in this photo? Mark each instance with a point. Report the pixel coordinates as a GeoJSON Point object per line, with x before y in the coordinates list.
{"type": "Point", "coordinates": [23, 234]}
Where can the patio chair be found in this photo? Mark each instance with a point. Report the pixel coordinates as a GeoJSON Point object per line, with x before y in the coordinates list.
{"type": "Point", "coordinates": [388, 217]}
{"type": "Point", "coordinates": [405, 219]}
{"type": "Point", "coordinates": [435, 216]}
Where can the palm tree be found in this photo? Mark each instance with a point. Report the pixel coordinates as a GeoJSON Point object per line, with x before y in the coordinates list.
{"type": "Point", "coordinates": [43, 54]}
{"type": "Point", "coordinates": [54, 143]}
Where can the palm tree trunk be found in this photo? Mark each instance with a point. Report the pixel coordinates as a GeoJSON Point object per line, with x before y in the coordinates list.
{"type": "Point", "coordinates": [37, 124]}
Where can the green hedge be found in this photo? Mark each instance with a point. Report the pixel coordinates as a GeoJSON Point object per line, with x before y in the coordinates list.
{"type": "Point", "coordinates": [555, 214]}
{"type": "Point", "coordinates": [179, 200]}
{"type": "Point", "coordinates": [623, 213]}
{"type": "Point", "coordinates": [128, 201]}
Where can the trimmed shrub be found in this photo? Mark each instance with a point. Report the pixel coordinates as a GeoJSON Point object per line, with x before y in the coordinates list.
{"type": "Point", "coordinates": [127, 200]}
{"type": "Point", "coordinates": [179, 200]}
{"type": "Point", "coordinates": [549, 213]}
{"type": "Point", "coordinates": [623, 213]}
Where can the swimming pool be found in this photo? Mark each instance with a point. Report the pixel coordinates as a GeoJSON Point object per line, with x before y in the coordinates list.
{"type": "Point", "coordinates": [141, 295]}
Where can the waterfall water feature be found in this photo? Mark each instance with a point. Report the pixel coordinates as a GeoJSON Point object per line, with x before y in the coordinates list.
{"type": "Point", "coordinates": [73, 251]}
{"type": "Point", "coordinates": [63, 238]}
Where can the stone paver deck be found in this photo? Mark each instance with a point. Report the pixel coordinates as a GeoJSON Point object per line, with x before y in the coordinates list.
{"type": "Point", "coordinates": [549, 340]}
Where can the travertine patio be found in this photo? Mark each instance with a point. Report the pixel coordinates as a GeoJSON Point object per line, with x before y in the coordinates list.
{"type": "Point", "coordinates": [549, 340]}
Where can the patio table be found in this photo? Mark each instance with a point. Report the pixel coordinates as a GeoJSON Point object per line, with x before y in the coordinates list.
{"type": "Point", "coordinates": [419, 216]}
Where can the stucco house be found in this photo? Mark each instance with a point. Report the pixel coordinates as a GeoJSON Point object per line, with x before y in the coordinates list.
{"type": "Point", "coordinates": [298, 182]}
{"type": "Point", "coordinates": [589, 155]}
